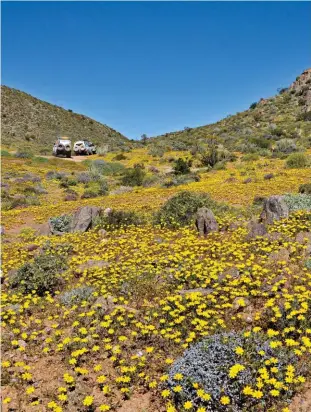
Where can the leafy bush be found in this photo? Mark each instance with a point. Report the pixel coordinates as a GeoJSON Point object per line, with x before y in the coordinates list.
{"type": "Point", "coordinates": [250, 157]}
{"type": "Point", "coordinates": [209, 362]}
{"type": "Point", "coordinates": [220, 166]}
{"type": "Point", "coordinates": [61, 223]}
{"type": "Point", "coordinates": [56, 175]}
{"type": "Point", "coordinates": [41, 275]}
{"type": "Point", "coordinates": [23, 155]}
{"type": "Point", "coordinates": [305, 116]}
{"type": "Point", "coordinates": [106, 168]}
{"type": "Point", "coordinates": [39, 159]}
{"type": "Point", "coordinates": [119, 218]}
{"type": "Point", "coordinates": [77, 295]}
{"type": "Point", "coordinates": [180, 209]}
{"type": "Point", "coordinates": [253, 105]}
{"type": "Point", "coordinates": [210, 158]}
{"type": "Point", "coordinates": [156, 151]}
{"type": "Point", "coordinates": [120, 156]}
{"type": "Point", "coordinates": [297, 161]}
{"type": "Point", "coordinates": [150, 181]}
{"type": "Point", "coordinates": [261, 142]}
{"type": "Point", "coordinates": [84, 177]}
{"type": "Point", "coordinates": [89, 194]}
{"type": "Point", "coordinates": [305, 188]}
{"type": "Point", "coordinates": [5, 153]}
{"type": "Point", "coordinates": [285, 146]}
{"type": "Point", "coordinates": [182, 180]}
{"type": "Point", "coordinates": [182, 166]}
{"type": "Point", "coordinates": [308, 264]}
{"type": "Point", "coordinates": [298, 201]}
{"type": "Point", "coordinates": [133, 177]}
{"type": "Point", "coordinates": [278, 132]}
{"type": "Point", "coordinates": [70, 195]}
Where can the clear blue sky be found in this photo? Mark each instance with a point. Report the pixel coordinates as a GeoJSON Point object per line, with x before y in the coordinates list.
{"type": "Point", "coordinates": [154, 67]}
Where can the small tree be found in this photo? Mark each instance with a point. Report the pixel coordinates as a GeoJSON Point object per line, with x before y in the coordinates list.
{"type": "Point", "coordinates": [134, 177]}
{"type": "Point", "coordinates": [182, 166]}
{"type": "Point", "coordinates": [144, 139]}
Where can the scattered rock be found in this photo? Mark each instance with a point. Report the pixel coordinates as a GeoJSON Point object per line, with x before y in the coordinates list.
{"type": "Point", "coordinates": [273, 236]}
{"type": "Point", "coordinates": [92, 264]}
{"type": "Point", "coordinates": [202, 291]}
{"type": "Point", "coordinates": [107, 304]}
{"type": "Point", "coordinates": [248, 180]}
{"type": "Point", "coordinates": [256, 229]}
{"type": "Point", "coordinates": [233, 272]}
{"type": "Point", "coordinates": [205, 221]}
{"type": "Point", "coordinates": [280, 256]}
{"type": "Point", "coordinates": [274, 208]}
{"type": "Point", "coordinates": [44, 229]}
{"type": "Point", "coordinates": [2, 230]}
{"type": "Point", "coordinates": [268, 176]}
{"type": "Point", "coordinates": [70, 197]}
{"type": "Point", "coordinates": [107, 212]}
{"type": "Point", "coordinates": [32, 247]}
{"type": "Point", "coordinates": [303, 237]}
{"type": "Point", "coordinates": [83, 218]}
{"type": "Point", "coordinates": [103, 233]}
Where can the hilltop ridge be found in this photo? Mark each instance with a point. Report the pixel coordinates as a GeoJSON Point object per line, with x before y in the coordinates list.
{"type": "Point", "coordinates": [28, 121]}
{"type": "Point", "coordinates": [286, 115]}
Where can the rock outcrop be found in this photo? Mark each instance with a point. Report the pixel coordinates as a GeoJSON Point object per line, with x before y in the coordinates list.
{"type": "Point", "coordinates": [83, 218]}
{"type": "Point", "coordinates": [205, 221]}
{"type": "Point", "coordinates": [274, 208]}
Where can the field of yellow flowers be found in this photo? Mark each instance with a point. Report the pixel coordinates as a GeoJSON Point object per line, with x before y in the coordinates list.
{"type": "Point", "coordinates": [123, 329]}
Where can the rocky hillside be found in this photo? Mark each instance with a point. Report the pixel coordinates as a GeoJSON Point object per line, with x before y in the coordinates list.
{"type": "Point", "coordinates": [284, 116]}
{"type": "Point", "coordinates": [28, 121]}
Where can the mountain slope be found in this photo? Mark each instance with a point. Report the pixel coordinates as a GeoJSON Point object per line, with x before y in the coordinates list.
{"type": "Point", "coordinates": [283, 116]}
{"type": "Point", "coordinates": [28, 121]}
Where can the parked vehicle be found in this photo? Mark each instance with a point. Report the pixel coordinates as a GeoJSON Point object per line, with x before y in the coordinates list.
{"type": "Point", "coordinates": [84, 147]}
{"type": "Point", "coordinates": [62, 147]}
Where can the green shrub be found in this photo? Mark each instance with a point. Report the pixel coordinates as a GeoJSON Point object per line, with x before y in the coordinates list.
{"type": "Point", "coordinates": [220, 166]}
{"type": "Point", "coordinates": [5, 153]}
{"type": "Point", "coordinates": [119, 218]}
{"type": "Point", "coordinates": [61, 223]}
{"type": "Point", "coordinates": [182, 180]}
{"type": "Point", "coordinates": [253, 105]}
{"type": "Point", "coordinates": [39, 159]}
{"type": "Point", "coordinates": [261, 142]}
{"type": "Point", "coordinates": [297, 161]}
{"type": "Point", "coordinates": [305, 188]}
{"type": "Point", "coordinates": [101, 167]}
{"type": "Point", "coordinates": [23, 155]}
{"type": "Point", "coordinates": [182, 166]}
{"type": "Point", "coordinates": [298, 201]}
{"type": "Point", "coordinates": [42, 275]}
{"type": "Point", "coordinates": [305, 116]}
{"type": "Point", "coordinates": [156, 151]}
{"type": "Point", "coordinates": [150, 181]}
{"type": "Point", "coordinates": [181, 208]}
{"type": "Point", "coordinates": [250, 157]}
{"type": "Point", "coordinates": [133, 177]}
{"type": "Point", "coordinates": [207, 363]}
{"type": "Point", "coordinates": [89, 194]}
{"type": "Point", "coordinates": [285, 146]}
{"type": "Point", "coordinates": [210, 158]}
{"type": "Point", "coordinates": [120, 156]}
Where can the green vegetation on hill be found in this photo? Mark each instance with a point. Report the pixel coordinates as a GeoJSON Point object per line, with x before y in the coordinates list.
{"type": "Point", "coordinates": [35, 124]}
{"type": "Point", "coordinates": [275, 125]}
